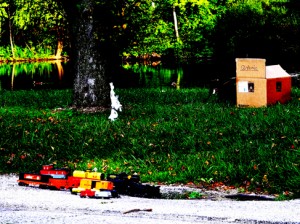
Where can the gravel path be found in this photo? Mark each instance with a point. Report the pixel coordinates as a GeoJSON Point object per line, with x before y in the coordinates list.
{"type": "Point", "coordinates": [34, 205]}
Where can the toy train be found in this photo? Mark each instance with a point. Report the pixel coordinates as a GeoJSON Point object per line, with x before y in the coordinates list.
{"type": "Point", "coordinates": [56, 179]}
{"type": "Point", "coordinates": [89, 184]}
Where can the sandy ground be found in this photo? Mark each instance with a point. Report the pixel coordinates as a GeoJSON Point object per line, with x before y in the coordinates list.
{"type": "Point", "coordinates": [34, 205]}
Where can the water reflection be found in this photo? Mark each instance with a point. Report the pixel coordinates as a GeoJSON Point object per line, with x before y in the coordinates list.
{"type": "Point", "coordinates": [33, 75]}
{"type": "Point", "coordinates": [155, 76]}
{"type": "Point", "coordinates": [57, 75]}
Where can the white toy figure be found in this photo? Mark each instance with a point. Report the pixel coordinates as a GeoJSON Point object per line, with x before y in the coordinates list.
{"type": "Point", "coordinates": [115, 104]}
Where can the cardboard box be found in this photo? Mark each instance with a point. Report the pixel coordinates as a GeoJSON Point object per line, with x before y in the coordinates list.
{"type": "Point", "coordinates": [258, 92]}
{"type": "Point", "coordinates": [250, 67]}
{"type": "Point", "coordinates": [251, 92]}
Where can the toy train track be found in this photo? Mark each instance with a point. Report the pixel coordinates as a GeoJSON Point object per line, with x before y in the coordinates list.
{"type": "Point", "coordinates": [88, 184]}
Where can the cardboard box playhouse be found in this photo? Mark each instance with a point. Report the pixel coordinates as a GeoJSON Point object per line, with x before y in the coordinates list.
{"type": "Point", "coordinates": [259, 85]}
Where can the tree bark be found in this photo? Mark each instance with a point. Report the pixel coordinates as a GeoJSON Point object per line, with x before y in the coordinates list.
{"type": "Point", "coordinates": [59, 49]}
{"type": "Point", "coordinates": [91, 86]}
{"type": "Point", "coordinates": [175, 23]}
{"type": "Point", "coordinates": [10, 33]}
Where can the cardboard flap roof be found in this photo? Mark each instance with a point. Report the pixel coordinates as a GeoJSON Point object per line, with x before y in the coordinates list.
{"type": "Point", "coordinates": [275, 71]}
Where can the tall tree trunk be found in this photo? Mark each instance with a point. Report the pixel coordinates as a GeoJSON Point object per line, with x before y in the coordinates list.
{"type": "Point", "coordinates": [175, 23]}
{"type": "Point", "coordinates": [10, 33]}
{"type": "Point", "coordinates": [91, 87]}
{"type": "Point", "coordinates": [59, 49]}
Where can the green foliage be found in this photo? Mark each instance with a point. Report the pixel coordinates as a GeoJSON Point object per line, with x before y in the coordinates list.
{"type": "Point", "coordinates": [169, 137]}
{"type": "Point", "coordinates": [194, 195]}
{"type": "Point", "coordinates": [5, 53]}
{"type": "Point", "coordinates": [258, 29]}
{"type": "Point", "coordinates": [154, 27]}
{"type": "Point", "coordinates": [3, 14]}
{"type": "Point", "coordinates": [39, 22]}
{"type": "Point", "coordinates": [26, 53]}
{"type": "Point", "coordinates": [226, 28]}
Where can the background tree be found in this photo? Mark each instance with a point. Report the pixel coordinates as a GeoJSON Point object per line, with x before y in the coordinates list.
{"type": "Point", "coordinates": [7, 13]}
{"type": "Point", "coordinates": [150, 25]}
{"type": "Point", "coordinates": [3, 15]}
{"type": "Point", "coordinates": [263, 29]}
{"type": "Point", "coordinates": [196, 20]}
{"type": "Point", "coordinates": [222, 28]}
{"type": "Point", "coordinates": [33, 26]}
{"type": "Point", "coordinates": [40, 22]}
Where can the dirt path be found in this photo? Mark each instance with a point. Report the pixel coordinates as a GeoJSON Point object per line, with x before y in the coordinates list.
{"type": "Point", "coordinates": [34, 205]}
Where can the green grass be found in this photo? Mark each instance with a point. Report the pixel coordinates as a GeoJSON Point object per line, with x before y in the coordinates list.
{"type": "Point", "coordinates": [173, 136]}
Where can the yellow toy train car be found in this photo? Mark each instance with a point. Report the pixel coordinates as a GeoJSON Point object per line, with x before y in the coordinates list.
{"type": "Point", "coordinates": [91, 184]}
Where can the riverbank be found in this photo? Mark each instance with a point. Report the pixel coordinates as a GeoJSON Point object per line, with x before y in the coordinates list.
{"type": "Point", "coordinates": [23, 60]}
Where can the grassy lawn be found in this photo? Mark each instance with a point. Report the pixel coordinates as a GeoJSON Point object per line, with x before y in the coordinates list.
{"type": "Point", "coordinates": [172, 136]}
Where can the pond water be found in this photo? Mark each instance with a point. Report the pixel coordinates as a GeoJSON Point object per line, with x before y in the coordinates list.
{"type": "Point", "coordinates": [34, 75]}
{"type": "Point", "coordinates": [57, 75]}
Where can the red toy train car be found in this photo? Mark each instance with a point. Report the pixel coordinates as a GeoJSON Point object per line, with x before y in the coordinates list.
{"type": "Point", "coordinates": [56, 179]}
